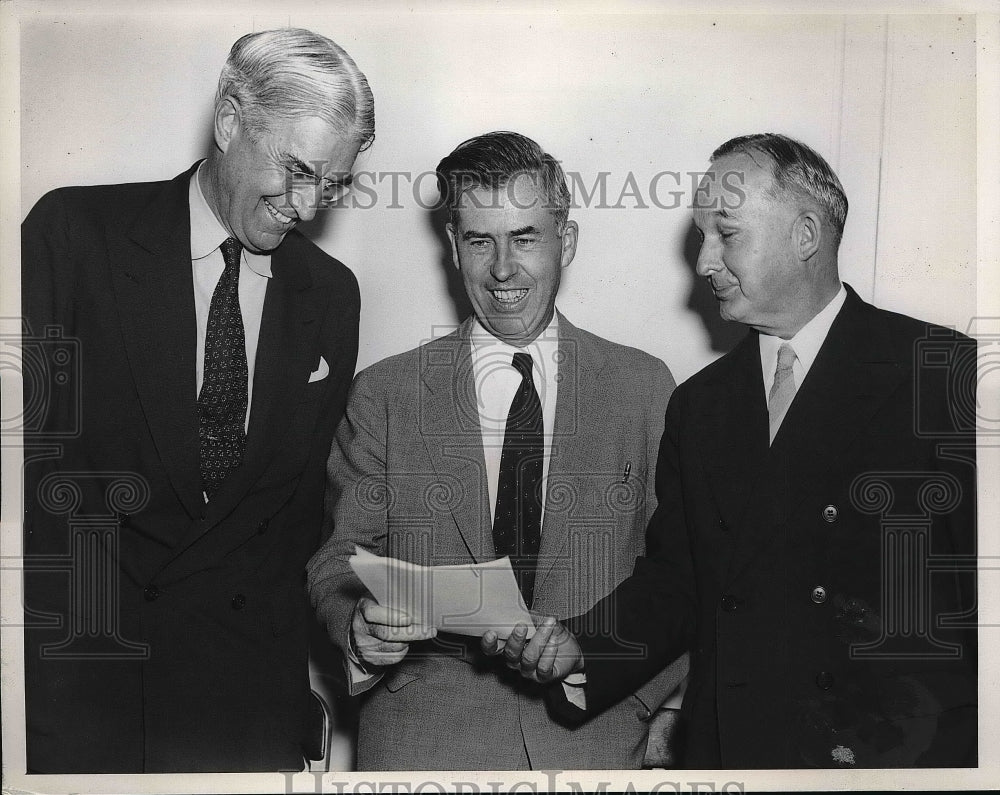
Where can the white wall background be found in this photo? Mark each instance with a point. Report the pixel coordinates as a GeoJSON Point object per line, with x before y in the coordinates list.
{"type": "Point", "coordinates": [889, 100]}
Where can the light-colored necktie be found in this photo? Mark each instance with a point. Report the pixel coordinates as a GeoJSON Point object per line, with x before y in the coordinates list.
{"type": "Point", "coordinates": [783, 389]}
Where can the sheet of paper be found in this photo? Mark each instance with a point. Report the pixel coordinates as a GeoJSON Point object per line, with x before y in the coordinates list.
{"type": "Point", "coordinates": [465, 599]}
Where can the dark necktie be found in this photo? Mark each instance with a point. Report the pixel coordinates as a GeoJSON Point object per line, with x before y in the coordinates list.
{"type": "Point", "coordinates": [222, 402]}
{"type": "Point", "coordinates": [517, 523]}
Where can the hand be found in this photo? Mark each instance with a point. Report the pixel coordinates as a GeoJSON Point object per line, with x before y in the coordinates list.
{"type": "Point", "coordinates": [382, 636]}
{"type": "Point", "coordinates": [552, 654]}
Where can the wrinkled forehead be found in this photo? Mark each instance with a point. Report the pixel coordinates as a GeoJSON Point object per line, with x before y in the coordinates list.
{"type": "Point", "coordinates": [522, 190]}
{"type": "Point", "coordinates": [732, 183]}
{"type": "Point", "coordinates": [521, 197]}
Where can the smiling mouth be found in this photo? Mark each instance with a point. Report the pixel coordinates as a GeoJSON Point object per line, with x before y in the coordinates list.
{"type": "Point", "coordinates": [280, 217]}
{"type": "Point", "coordinates": [721, 290]}
{"type": "Point", "coordinates": [509, 297]}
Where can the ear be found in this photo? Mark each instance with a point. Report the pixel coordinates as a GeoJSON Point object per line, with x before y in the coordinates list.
{"type": "Point", "coordinates": [570, 235]}
{"type": "Point", "coordinates": [226, 122]}
{"type": "Point", "coordinates": [454, 246]}
{"type": "Point", "coordinates": [807, 233]}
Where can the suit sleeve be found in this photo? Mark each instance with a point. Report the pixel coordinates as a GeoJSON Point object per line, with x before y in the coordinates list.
{"type": "Point", "coordinates": [661, 386]}
{"type": "Point", "coordinates": [648, 620]}
{"type": "Point", "coordinates": [46, 285]}
{"type": "Point", "coordinates": [46, 264]}
{"type": "Point", "coordinates": [356, 510]}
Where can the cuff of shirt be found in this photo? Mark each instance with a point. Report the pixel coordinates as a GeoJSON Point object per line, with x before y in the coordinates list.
{"type": "Point", "coordinates": [359, 677]}
{"type": "Point", "coordinates": [573, 687]}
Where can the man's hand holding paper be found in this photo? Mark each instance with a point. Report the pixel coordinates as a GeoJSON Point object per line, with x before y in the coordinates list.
{"type": "Point", "coordinates": [469, 599]}
{"type": "Point", "coordinates": [381, 635]}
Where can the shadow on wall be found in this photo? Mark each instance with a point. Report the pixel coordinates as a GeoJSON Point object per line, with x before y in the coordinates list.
{"type": "Point", "coordinates": [437, 218]}
{"type": "Point", "coordinates": [723, 334]}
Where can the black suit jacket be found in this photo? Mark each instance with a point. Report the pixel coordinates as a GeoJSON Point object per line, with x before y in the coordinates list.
{"type": "Point", "coordinates": [164, 634]}
{"type": "Point", "coordinates": [825, 584]}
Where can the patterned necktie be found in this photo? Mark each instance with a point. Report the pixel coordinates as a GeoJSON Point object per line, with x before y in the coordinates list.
{"type": "Point", "coordinates": [783, 389]}
{"type": "Point", "coordinates": [517, 523]}
{"type": "Point", "coordinates": [222, 402]}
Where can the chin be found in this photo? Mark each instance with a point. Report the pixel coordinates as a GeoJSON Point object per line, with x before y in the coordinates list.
{"type": "Point", "coordinates": [731, 313]}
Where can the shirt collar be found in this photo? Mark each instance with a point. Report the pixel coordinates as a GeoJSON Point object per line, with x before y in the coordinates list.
{"type": "Point", "coordinates": [807, 341]}
{"type": "Point", "coordinates": [543, 349]}
{"type": "Point", "coordinates": [207, 234]}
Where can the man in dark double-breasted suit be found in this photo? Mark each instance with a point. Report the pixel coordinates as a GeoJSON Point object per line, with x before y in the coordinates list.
{"type": "Point", "coordinates": [814, 541]}
{"type": "Point", "coordinates": [200, 349]}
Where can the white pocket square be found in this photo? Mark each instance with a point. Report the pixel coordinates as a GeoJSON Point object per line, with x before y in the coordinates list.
{"type": "Point", "coordinates": [322, 371]}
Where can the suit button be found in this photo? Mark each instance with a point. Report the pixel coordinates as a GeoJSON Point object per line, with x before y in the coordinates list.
{"type": "Point", "coordinates": [151, 593]}
{"type": "Point", "coordinates": [830, 513]}
{"type": "Point", "coordinates": [819, 594]}
{"type": "Point", "coordinates": [729, 603]}
{"type": "Point", "coordinates": [262, 526]}
{"type": "Point", "coordinates": [239, 602]}
{"type": "Point", "coordinates": [123, 519]}
{"type": "Point", "coordinates": [824, 680]}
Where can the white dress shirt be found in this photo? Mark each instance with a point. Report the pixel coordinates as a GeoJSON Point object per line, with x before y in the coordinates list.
{"type": "Point", "coordinates": [806, 344]}
{"type": "Point", "coordinates": [207, 264]}
{"type": "Point", "coordinates": [496, 383]}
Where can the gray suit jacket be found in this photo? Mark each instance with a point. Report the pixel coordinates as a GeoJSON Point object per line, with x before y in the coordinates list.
{"type": "Point", "coordinates": [407, 479]}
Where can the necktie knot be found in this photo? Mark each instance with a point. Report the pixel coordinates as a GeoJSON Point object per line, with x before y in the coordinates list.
{"type": "Point", "coordinates": [522, 363]}
{"type": "Point", "coordinates": [231, 248]}
{"type": "Point", "coordinates": [786, 357]}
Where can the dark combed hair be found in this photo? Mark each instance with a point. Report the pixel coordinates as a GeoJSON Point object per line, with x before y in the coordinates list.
{"type": "Point", "coordinates": [797, 170]}
{"type": "Point", "coordinates": [493, 161]}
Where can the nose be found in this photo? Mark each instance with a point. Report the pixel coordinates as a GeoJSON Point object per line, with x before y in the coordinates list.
{"type": "Point", "coordinates": [504, 264]}
{"type": "Point", "coordinates": [708, 259]}
{"type": "Point", "coordinates": [304, 200]}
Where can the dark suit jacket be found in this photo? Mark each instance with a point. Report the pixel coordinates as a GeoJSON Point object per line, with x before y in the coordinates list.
{"type": "Point", "coordinates": [165, 634]}
{"type": "Point", "coordinates": [825, 584]}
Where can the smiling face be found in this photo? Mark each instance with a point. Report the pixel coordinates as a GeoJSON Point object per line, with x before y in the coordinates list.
{"type": "Point", "coordinates": [260, 186]}
{"type": "Point", "coordinates": [750, 247]}
{"type": "Point", "coordinates": [510, 253]}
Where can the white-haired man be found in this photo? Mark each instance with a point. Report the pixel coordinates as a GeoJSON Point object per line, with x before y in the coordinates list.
{"type": "Point", "coordinates": [215, 347]}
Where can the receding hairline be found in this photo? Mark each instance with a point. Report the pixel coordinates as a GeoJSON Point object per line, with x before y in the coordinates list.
{"type": "Point", "coordinates": [765, 163]}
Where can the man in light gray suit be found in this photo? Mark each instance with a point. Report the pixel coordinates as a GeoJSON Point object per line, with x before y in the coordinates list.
{"type": "Point", "coordinates": [518, 434]}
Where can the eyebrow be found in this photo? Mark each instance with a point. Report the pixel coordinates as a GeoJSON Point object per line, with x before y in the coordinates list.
{"type": "Point", "coordinates": [524, 230]}
{"type": "Point", "coordinates": [301, 165]}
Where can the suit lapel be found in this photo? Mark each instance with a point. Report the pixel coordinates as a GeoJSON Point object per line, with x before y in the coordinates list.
{"type": "Point", "coordinates": [732, 412]}
{"type": "Point", "coordinates": [852, 377]}
{"type": "Point", "coordinates": [285, 357]}
{"type": "Point", "coordinates": [449, 425]}
{"type": "Point", "coordinates": [286, 354]}
{"type": "Point", "coordinates": [580, 365]}
{"type": "Point", "coordinates": [154, 291]}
